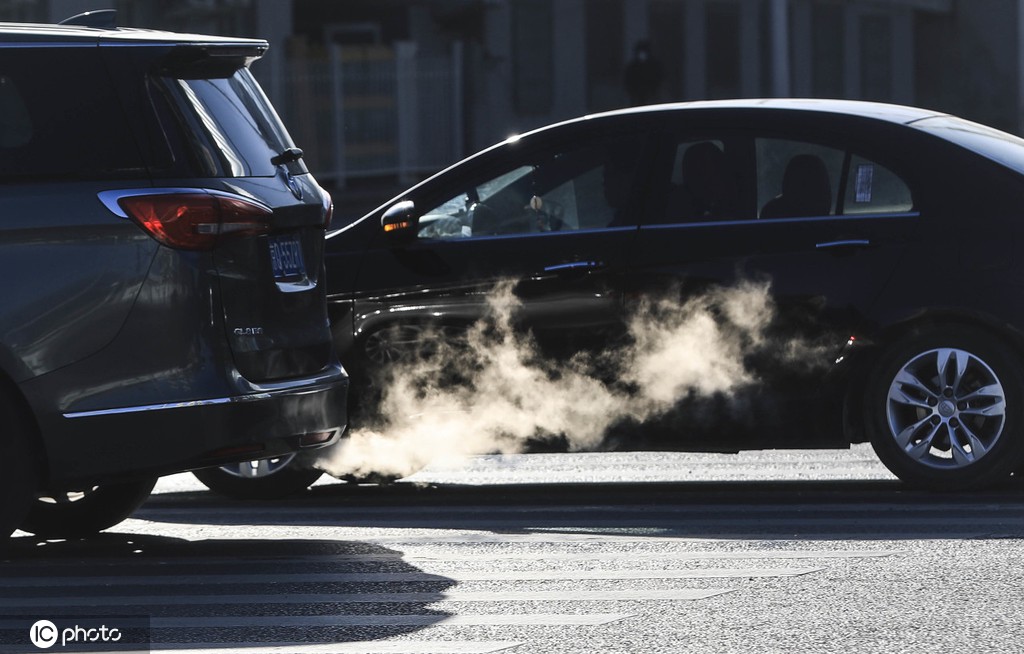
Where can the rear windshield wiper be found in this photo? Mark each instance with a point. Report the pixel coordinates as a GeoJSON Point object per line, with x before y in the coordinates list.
{"type": "Point", "coordinates": [286, 157]}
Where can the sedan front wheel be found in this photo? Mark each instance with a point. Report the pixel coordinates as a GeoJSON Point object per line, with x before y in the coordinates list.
{"type": "Point", "coordinates": [945, 410]}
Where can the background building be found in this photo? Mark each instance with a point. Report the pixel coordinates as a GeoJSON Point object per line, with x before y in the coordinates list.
{"type": "Point", "coordinates": [387, 91]}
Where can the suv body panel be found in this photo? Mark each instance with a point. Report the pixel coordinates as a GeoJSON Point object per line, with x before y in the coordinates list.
{"type": "Point", "coordinates": [137, 358]}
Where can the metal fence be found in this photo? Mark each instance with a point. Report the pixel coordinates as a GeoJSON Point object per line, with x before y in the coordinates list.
{"type": "Point", "coordinates": [374, 111]}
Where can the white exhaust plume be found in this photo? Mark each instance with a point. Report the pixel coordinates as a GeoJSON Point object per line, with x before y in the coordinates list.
{"type": "Point", "coordinates": [491, 391]}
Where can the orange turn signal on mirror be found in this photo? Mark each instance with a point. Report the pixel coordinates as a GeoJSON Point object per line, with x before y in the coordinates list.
{"type": "Point", "coordinates": [390, 227]}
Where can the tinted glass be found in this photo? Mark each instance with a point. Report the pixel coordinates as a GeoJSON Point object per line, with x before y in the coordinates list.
{"type": "Point", "coordinates": [59, 117]}
{"type": "Point", "coordinates": [704, 183]}
{"type": "Point", "coordinates": [871, 188]}
{"type": "Point", "coordinates": [244, 130]}
{"type": "Point", "coordinates": [584, 187]}
{"type": "Point", "coordinates": [796, 179]}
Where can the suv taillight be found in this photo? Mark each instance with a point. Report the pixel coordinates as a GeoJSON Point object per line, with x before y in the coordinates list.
{"type": "Point", "coordinates": [195, 221]}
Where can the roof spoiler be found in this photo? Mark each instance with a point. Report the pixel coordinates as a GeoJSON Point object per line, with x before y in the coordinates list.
{"type": "Point", "coordinates": [101, 18]}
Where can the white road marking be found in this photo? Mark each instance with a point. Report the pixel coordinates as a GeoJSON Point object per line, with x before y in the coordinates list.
{"type": "Point", "coordinates": [402, 577]}
{"type": "Point", "coordinates": [461, 556]}
{"type": "Point", "coordinates": [31, 605]}
{"type": "Point", "coordinates": [415, 620]}
{"type": "Point", "coordinates": [367, 647]}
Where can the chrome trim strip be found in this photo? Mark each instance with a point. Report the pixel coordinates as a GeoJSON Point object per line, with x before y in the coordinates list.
{"type": "Point", "coordinates": [768, 221]}
{"type": "Point", "coordinates": [564, 232]}
{"type": "Point", "coordinates": [162, 407]}
{"type": "Point", "coordinates": [572, 266]}
{"type": "Point", "coordinates": [500, 237]}
{"type": "Point", "coordinates": [304, 386]}
{"type": "Point", "coordinates": [110, 198]}
{"type": "Point", "coordinates": [331, 374]}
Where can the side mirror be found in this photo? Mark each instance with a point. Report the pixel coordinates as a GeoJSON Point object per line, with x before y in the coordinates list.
{"type": "Point", "coordinates": [400, 222]}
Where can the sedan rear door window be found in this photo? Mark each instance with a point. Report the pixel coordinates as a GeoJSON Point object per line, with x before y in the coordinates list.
{"type": "Point", "coordinates": [797, 179]}
{"type": "Point", "coordinates": [873, 188]}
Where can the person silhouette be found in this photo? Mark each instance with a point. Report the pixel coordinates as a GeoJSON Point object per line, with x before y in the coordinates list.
{"type": "Point", "coordinates": [643, 75]}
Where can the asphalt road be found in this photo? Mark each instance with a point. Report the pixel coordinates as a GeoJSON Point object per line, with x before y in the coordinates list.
{"type": "Point", "coordinates": [633, 553]}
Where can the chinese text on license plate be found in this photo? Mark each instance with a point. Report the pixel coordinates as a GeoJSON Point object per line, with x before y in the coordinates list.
{"type": "Point", "coordinates": [286, 257]}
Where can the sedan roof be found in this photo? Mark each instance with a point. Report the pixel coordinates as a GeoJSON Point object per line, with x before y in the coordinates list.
{"type": "Point", "coordinates": [892, 113]}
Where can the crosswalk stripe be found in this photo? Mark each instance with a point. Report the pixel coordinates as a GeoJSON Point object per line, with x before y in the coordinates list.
{"type": "Point", "coordinates": [394, 577]}
{"type": "Point", "coordinates": [31, 605]}
{"type": "Point", "coordinates": [362, 647]}
{"type": "Point", "coordinates": [414, 620]}
{"type": "Point", "coordinates": [459, 557]}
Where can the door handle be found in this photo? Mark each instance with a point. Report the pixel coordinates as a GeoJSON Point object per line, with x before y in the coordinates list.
{"type": "Point", "coordinates": [844, 244]}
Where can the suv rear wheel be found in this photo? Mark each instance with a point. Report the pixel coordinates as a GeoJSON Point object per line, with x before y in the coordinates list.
{"type": "Point", "coordinates": [19, 480]}
{"type": "Point", "coordinates": [87, 511]}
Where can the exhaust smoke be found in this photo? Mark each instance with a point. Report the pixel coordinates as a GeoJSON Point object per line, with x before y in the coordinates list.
{"type": "Point", "coordinates": [491, 390]}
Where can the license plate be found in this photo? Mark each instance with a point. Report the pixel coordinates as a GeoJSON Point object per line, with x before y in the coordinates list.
{"type": "Point", "coordinates": [286, 257]}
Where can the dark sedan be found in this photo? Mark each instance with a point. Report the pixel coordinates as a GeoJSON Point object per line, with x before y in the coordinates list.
{"type": "Point", "coordinates": [888, 236]}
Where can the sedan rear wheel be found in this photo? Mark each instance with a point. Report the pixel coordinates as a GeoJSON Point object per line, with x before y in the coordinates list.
{"type": "Point", "coordinates": [944, 410]}
{"type": "Point", "coordinates": [262, 479]}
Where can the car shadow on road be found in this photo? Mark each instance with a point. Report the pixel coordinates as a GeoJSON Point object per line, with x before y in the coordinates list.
{"type": "Point", "coordinates": [216, 592]}
{"type": "Point", "coordinates": [862, 510]}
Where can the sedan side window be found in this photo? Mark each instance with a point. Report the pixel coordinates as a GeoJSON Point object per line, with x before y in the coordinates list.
{"type": "Point", "coordinates": [587, 187]}
{"type": "Point", "coordinates": [797, 179]}
{"type": "Point", "coordinates": [704, 185]}
{"type": "Point", "coordinates": [871, 188]}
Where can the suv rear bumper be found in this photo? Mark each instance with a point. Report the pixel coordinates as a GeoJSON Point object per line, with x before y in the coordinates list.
{"type": "Point", "coordinates": [158, 439]}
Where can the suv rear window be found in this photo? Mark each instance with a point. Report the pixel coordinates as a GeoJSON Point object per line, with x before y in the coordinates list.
{"type": "Point", "coordinates": [243, 130]}
{"type": "Point", "coordinates": [59, 118]}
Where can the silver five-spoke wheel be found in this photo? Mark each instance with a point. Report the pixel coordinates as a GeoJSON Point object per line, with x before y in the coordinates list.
{"type": "Point", "coordinates": [946, 408]}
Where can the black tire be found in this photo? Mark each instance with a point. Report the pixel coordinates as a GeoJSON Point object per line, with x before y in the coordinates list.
{"type": "Point", "coordinates": [288, 476]}
{"type": "Point", "coordinates": [944, 409]}
{"type": "Point", "coordinates": [88, 511]}
{"type": "Point", "coordinates": [19, 482]}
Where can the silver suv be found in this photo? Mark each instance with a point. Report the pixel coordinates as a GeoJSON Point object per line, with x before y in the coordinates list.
{"type": "Point", "coordinates": [162, 245]}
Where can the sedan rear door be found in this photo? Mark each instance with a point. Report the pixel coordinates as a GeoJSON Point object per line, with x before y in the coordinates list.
{"type": "Point", "coordinates": [823, 226]}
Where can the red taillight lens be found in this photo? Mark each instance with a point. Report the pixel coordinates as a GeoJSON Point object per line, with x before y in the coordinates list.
{"type": "Point", "coordinates": [194, 221]}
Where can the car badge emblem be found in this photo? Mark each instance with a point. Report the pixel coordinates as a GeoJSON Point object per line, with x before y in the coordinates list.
{"type": "Point", "coordinates": [294, 185]}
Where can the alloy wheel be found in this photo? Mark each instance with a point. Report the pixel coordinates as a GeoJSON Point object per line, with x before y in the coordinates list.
{"type": "Point", "coordinates": [946, 408]}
